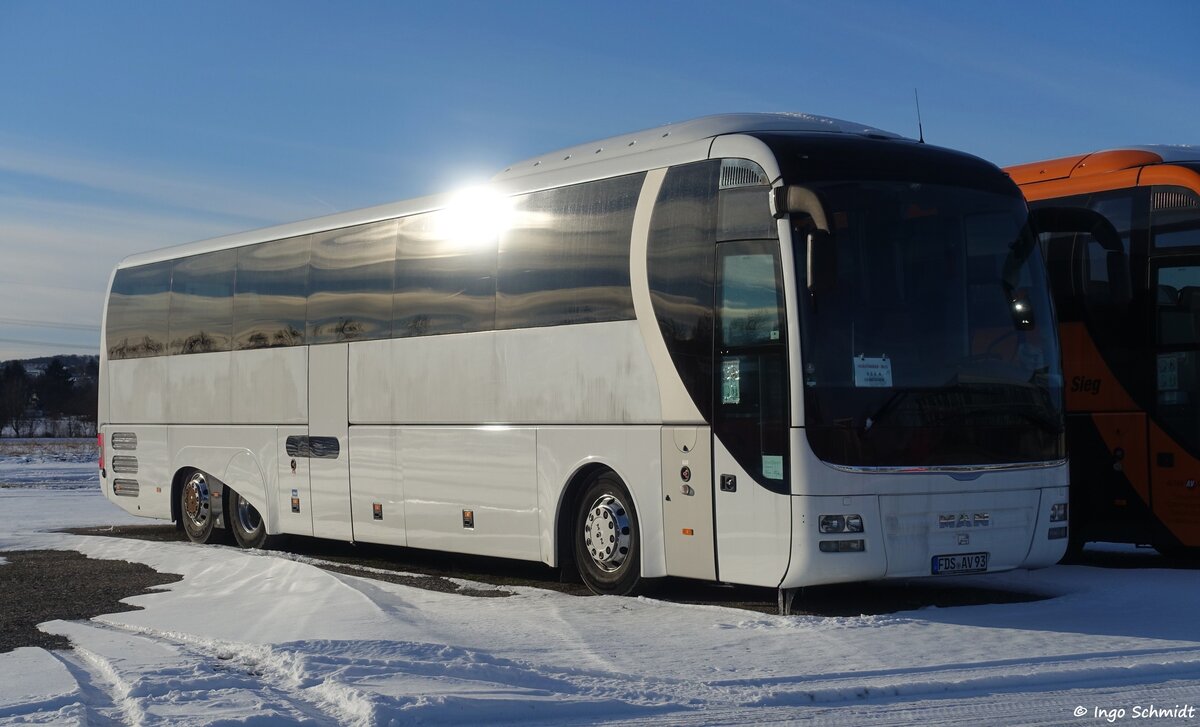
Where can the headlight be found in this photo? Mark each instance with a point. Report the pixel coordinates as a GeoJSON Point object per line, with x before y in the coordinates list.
{"type": "Point", "coordinates": [1058, 512]}
{"type": "Point", "coordinates": [832, 523]}
{"type": "Point", "coordinates": [840, 523]}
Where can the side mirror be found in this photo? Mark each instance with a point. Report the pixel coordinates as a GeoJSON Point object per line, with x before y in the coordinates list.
{"type": "Point", "coordinates": [822, 262]}
{"type": "Point", "coordinates": [821, 252]}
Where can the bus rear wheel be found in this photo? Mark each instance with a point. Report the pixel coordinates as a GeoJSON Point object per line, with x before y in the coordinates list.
{"type": "Point", "coordinates": [249, 529]}
{"type": "Point", "coordinates": [196, 512]}
{"type": "Point", "coordinates": [606, 538]}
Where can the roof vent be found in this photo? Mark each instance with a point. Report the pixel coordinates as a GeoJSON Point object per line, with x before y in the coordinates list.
{"type": "Point", "coordinates": [742, 173]}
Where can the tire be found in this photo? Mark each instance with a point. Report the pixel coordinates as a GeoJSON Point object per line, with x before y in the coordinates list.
{"type": "Point", "coordinates": [606, 537]}
{"type": "Point", "coordinates": [245, 522]}
{"type": "Point", "coordinates": [196, 513]}
{"type": "Point", "coordinates": [1073, 553]}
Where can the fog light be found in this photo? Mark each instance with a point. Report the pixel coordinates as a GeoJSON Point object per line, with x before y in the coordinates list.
{"type": "Point", "coordinates": [1058, 533]}
{"type": "Point", "coordinates": [1058, 512]}
{"type": "Point", "coordinates": [842, 546]}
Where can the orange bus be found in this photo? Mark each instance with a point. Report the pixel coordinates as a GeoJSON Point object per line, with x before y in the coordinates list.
{"type": "Point", "coordinates": [1121, 235]}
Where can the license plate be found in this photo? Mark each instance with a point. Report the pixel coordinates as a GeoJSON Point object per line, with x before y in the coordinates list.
{"type": "Point", "coordinates": [961, 563]}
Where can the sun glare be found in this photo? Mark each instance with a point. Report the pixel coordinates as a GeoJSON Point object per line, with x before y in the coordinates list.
{"type": "Point", "coordinates": [475, 216]}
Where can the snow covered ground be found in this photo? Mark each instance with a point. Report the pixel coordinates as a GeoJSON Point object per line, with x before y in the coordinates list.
{"type": "Point", "coordinates": [258, 638]}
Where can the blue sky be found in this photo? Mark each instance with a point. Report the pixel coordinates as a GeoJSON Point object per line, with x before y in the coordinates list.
{"type": "Point", "coordinates": [128, 126]}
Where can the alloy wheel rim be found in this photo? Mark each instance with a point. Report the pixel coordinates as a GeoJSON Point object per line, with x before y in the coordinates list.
{"type": "Point", "coordinates": [607, 535]}
{"type": "Point", "coordinates": [197, 506]}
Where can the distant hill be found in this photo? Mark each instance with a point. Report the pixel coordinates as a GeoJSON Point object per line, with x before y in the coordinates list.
{"type": "Point", "coordinates": [82, 368]}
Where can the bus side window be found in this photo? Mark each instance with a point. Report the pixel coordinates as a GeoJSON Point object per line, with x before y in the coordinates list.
{"type": "Point", "coordinates": [137, 311]}
{"type": "Point", "coordinates": [1175, 217]}
{"type": "Point", "coordinates": [202, 303]}
{"type": "Point", "coordinates": [565, 259]}
{"type": "Point", "coordinates": [272, 294]}
{"type": "Point", "coordinates": [350, 283]}
{"type": "Point", "coordinates": [443, 284]}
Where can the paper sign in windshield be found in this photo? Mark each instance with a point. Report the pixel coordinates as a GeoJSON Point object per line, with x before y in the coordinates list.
{"type": "Point", "coordinates": [772, 465]}
{"type": "Point", "coordinates": [872, 372]}
{"type": "Point", "coordinates": [1168, 371]}
{"type": "Point", "coordinates": [731, 381]}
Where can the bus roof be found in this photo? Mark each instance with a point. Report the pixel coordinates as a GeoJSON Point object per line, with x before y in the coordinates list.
{"type": "Point", "coordinates": [684, 132]}
{"type": "Point", "coordinates": [1101, 162]}
{"type": "Point", "coordinates": [626, 145]}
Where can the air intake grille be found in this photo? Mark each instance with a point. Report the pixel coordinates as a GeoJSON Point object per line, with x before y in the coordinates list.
{"type": "Point", "coordinates": [125, 488]}
{"type": "Point", "coordinates": [1168, 200]}
{"type": "Point", "coordinates": [124, 464]}
{"type": "Point", "coordinates": [742, 173]}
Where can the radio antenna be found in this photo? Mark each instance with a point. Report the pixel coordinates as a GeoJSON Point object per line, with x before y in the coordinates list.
{"type": "Point", "coordinates": [920, 129]}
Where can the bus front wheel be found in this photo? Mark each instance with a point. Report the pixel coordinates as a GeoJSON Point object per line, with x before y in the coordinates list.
{"type": "Point", "coordinates": [607, 541]}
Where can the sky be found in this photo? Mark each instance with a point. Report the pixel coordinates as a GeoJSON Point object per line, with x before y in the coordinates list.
{"type": "Point", "coordinates": [129, 126]}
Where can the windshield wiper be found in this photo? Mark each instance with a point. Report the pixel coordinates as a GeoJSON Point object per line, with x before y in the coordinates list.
{"type": "Point", "coordinates": [883, 409]}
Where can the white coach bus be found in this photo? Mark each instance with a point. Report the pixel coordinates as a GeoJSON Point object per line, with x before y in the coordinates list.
{"type": "Point", "coordinates": [767, 349]}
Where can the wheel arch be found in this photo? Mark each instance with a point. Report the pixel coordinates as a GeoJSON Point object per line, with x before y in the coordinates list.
{"type": "Point", "coordinates": [234, 467]}
{"type": "Point", "coordinates": [568, 504]}
{"type": "Point", "coordinates": [177, 480]}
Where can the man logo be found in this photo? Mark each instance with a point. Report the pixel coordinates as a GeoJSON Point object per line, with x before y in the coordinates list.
{"type": "Point", "coordinates": [964, 520]}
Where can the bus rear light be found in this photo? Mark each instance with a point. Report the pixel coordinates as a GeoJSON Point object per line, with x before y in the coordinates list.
{"type": "Point", "coordinates": [842, 546]}
{"type": "Point", "coordinates": [100, 446]}
{"type": "Point", "coordinates": [1058, 512]}
{"type": "Point", "coordinates": [840, 523]}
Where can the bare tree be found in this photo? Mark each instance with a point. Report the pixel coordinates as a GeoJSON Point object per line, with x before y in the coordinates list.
{"type": "Point", "coordinates": [15, 392]}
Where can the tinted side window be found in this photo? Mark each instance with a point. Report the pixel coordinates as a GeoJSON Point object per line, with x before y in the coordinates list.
{"type": "Point", "coordinates": [443, 285]}
{"type": "Point", "coordinates": [745, 214]}
{"type": "Point", "coordinates": [202, 303]}
{"type": "Point", "coordinates": [350, 283]}
{"type": "Point", "coordinates": [681, 263]}
{"type": "Point", "coordinates": [1175, 217]}
{"type": "Point", "coordinates": [751, 314]}
{"type": "Point", "coordinates": [566, 257]}
{"type": "Point", "coordinates": [272, 294]}
{"type": "Point", "coordinates": [137, 312]}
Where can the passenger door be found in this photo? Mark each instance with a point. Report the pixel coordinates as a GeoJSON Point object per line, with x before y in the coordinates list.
{"type": "Point", "coordinates": [1173, 441]}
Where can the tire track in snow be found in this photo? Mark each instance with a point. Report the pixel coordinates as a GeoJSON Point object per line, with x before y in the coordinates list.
{"type": "Point", "coordinates": [341, 678]}
{"type": "Point", "coordinates": [116, 689]}
{"type": "Point", "coordinates": [98, 692]}
{"type": "Point", "coordinates": [152, 678]}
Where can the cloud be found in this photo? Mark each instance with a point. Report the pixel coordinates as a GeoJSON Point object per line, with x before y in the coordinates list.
{"type": "Point", "coordinates": [66, 220]}
{"type": "Point", "coordinates": [211, 196]}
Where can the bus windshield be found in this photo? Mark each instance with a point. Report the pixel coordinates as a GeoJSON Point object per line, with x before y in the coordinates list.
{"type": "Point", "coordinates": [937, 345]}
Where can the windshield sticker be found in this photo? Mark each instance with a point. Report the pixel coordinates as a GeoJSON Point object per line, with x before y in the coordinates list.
{"type": "Point", "coordinates": [772, 465]}
{"type": "Point", "coordinates": [872, 372]}
{"type": "Point", "coordinates": [731, 381]}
